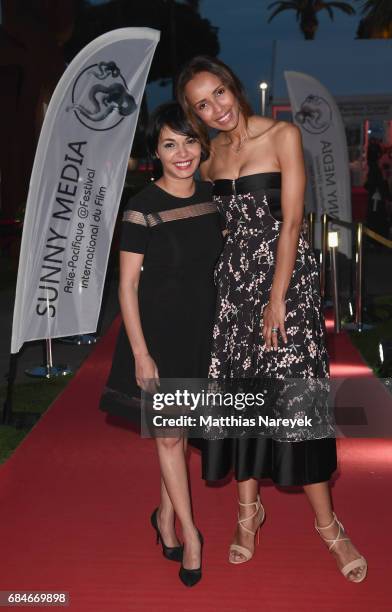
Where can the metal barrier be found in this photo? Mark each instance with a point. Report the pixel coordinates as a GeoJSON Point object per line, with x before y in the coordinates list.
{"type": "Point", "coordinates": [323, 253]}
{"type": "Point", "coordinates": [359, 228]}
{"type": "Point", "coordinates": [311, 222]}
{"type": "Point", "coordinates": [377, 237]}
{"type": "Point", "coordinates": [358, 275]}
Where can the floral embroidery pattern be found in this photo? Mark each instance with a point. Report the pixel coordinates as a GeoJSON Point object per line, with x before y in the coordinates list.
{"type": "Point", "coordinates": [244, 276]}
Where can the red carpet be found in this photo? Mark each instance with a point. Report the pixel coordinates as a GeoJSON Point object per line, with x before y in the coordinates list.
{"type": "Point", "coordinates": [76, 497]}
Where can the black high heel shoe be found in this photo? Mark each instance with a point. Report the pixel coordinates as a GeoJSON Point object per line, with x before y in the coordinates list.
{"type": "Point", "coordinates": [173, 553]}
{"type": "Point", "coordinates": [190, 577]}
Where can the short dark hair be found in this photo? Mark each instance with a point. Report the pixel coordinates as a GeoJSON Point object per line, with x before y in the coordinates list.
{"type": "Point", "coordinates": [171, 115]}
{"type": "Point", "coordinates": [204, 63]}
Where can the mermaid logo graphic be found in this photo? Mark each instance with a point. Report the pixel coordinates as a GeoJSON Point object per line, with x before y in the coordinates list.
{"type": "Point", "coordinates": [100, 97]}
{"type": "Point", "coordinates": [314, 115]}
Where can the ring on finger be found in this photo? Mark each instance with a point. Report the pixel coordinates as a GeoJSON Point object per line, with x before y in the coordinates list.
{"type": "Point", "coordinates": [274, 330]}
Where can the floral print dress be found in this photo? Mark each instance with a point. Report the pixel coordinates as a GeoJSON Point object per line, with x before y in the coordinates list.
{"type": "Point", "coordinates": [244, 275]}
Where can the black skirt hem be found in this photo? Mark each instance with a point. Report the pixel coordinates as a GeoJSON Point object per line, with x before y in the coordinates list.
{"type": "Point", "coordinates": [285, 463]}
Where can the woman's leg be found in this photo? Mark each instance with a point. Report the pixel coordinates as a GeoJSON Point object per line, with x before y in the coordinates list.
{"type": "Point", "coordinates": [319, 497]}
{"type": "Point", "coordinates": [166, 515]}
{"type": "Point", "coordinates": [171, 453]}
{"type": "Point", "coordinates": [247, 494]}
{"type": "Point", "coordinates": [166, 518]}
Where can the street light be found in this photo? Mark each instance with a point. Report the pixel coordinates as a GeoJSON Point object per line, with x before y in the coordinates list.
{"type": "Point", "coordinates": [385, 352]}
{"type": "Point", "coordinates": [333, 243]}
{"type": "Point", "coordinates": [333, 240]}
{"type": "Point", "coordinates": [263, 87]}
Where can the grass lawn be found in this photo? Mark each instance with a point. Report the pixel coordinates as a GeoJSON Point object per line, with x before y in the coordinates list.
{"type": "Point", "coordinates": [28, 399]}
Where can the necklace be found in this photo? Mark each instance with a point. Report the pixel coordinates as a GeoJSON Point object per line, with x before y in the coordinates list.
{"type": "Point", "coordinates": [237, 148]}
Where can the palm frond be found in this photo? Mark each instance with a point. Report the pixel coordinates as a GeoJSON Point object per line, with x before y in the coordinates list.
{"type": "Point", "coordinates": [379, 11]}
{"type": "Point", "coordinates": [280, 9]}
{"type": "Point", "coordinates": [342, 6]}
{"type": "Point", "coordinates": [372, 5]}
{"type": "Point", "coordinates": [329, 11]}
{"type": "Point", "coordinates": [284, 4]}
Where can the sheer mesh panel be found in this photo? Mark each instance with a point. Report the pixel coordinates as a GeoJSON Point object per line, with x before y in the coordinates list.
{"type": "Point", "coordinates": [185, 212]}
{"type": "Point", "coordinates": [134, 216]}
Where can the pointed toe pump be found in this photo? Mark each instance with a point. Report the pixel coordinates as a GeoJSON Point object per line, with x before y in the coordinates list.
{"type": "Point", "coordinates": [173, 553]}
{"type": "Point", "coordinates": [190, 577]}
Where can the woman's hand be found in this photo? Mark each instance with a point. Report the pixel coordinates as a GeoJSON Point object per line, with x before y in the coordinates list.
{"type": "Point", "coordinates": [147, 376]}
{"type": "Point", "coordinates": [273, 323]}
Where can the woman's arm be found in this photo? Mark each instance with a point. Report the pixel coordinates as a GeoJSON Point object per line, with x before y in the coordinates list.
{"type": "Point", "coordinates": [291, 159]}
{"type": "Point", "coordinates": [130, 267]}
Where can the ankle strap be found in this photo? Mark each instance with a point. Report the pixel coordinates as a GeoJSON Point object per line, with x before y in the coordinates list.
{"type": "Point", "coordinates": [255, 503]}
{"type": "Point", "coordinates": [338, 538]}
{"type": "Point", "coordinates": [243, 520]}
{"type": "Point", "coordinates": [328, 526]}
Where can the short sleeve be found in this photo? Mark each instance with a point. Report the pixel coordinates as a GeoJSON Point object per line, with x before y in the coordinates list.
{"type": "Point", "coordinates": [133, 237]}
{"type": "Point", "coordinates": [134, 233]}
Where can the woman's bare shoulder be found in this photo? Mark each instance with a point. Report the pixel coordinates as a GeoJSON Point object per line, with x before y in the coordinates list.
{"type": "Point", "coordinates": [263, 125]}
{"type": "Point", "coordinates": [288, 129]}
{"type": "Point", "coordinates": [259, 124]}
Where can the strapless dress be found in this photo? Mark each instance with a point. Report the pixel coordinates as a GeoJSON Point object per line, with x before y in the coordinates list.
{"type": "Point", "coordinates": [251, 207]}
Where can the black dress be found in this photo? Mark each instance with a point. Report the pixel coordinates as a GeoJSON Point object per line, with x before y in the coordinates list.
{"type": "Point", "coordinates": [244, 274]}
{"type": "Point", "coordinates": [181, 240]}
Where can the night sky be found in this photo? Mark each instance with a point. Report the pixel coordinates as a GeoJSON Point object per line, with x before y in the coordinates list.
{"type": "Point", "coordinates": [246, 39]}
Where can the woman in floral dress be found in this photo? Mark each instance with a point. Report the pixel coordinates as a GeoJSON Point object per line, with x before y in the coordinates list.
{"type": "Point", "coordinates": [269, 321]}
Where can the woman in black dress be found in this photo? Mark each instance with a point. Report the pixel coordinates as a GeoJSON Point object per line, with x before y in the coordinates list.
{"type": "Point", "coordinates": [172, 230]}
{"type": "Point", "coordinates": [269, 321]}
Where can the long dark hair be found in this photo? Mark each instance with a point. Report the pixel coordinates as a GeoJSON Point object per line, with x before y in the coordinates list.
{"type": "Point", "coordinates": [204, 63]}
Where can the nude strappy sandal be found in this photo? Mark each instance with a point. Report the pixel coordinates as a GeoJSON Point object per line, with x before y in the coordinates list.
{"type": "Point", "coordinates": [357, 563]}
{"type": "Point", "coordinates": [241, 549]}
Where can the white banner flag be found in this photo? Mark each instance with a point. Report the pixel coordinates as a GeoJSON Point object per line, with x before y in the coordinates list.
{"type": "Point", "coordinates": [76, 185]}
{"type": "Point", "coordinates": [325, 149]}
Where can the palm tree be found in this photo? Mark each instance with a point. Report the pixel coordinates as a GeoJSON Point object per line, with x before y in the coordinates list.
{"type": "Point", "coordinates": [306, 12]}
{"type": "Point", "coordinates": [377, 19]}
